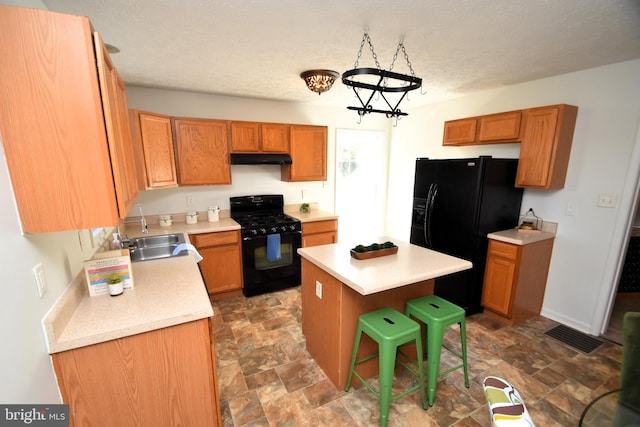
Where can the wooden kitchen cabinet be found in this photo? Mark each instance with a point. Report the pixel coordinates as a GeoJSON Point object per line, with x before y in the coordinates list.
{"type": "Point", "coordinates": [489, 129]}
{"type": "Point", "coordinates": [154, 151]}
{"type": "Point", "coordinates": [515, 280]}
{"type": "Point", "coordinates": [308, 153]}
{"type": "Point", "coordinates": [64, 123]}
{"type": "Point", "coordinates": [202, 151]}
{"type": "Point", "coordinates": [316, 233]}
{"type": "Point", "coordinates": [546, 144]}
{"type": "Point", "coordinates": [460, 132]}
{"type": "Point", "coordinates": [255, 137]}
{"type": "Point", "coordinates": [164, 377]}
{"type": "Point", "coordinates": [221, 266]}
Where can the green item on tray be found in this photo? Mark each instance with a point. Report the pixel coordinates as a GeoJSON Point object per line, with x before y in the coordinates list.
{"type": "Point", "coordinates": [374, 247]}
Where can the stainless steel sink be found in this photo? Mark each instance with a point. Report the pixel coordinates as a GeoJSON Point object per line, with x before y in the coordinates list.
{"type": "Point", "coordinates": [159, 240]}
{"type": "Point", "coordinates": [156, 247]}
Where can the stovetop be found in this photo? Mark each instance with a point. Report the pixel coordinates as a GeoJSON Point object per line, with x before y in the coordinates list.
{"type": "Point", "coordinates": [262, 215]}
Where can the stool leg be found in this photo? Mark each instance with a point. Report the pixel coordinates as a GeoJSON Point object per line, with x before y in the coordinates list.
{"type": "Point", "coordinates": [386, 367]}
{"type": "Point", "coordinates": [419, 358]}
{"type": "Point", "coordinates": [463, 338]}
{"type": "Point", "coordinates": [434, 347]}
{"type": "Point", "coordinates": [356, 343]}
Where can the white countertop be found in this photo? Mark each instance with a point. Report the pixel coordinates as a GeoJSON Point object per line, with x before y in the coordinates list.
{"type": "Point", "coordinates": [519, 237]}
{"type": "Point", "coordinates": [166, 292]}
{"type": "Point", "coordinates": [410, 265]}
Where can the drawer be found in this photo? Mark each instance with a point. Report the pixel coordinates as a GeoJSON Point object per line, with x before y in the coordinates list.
{"type": "Point", "coordinates": [215, 239]}
{"type": "Point", "coordinates": [505, 250]}
{"type": "Point", "coordinates": [319, 226]}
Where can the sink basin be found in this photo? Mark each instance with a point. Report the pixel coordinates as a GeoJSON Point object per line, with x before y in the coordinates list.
{"type": "Point", "coordinates": [154, 252]}
{"type": "Point", "coordinates": [156, 247]}
{"type": "Point", "coordinates": [159, 240]}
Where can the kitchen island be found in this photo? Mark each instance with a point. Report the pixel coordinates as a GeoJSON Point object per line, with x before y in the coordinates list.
{"type": "Point", "coordinates": [337, 289]}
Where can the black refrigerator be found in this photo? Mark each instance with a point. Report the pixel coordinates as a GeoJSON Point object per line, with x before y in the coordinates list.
{"type": "Point", "coordinates": [456, 203]}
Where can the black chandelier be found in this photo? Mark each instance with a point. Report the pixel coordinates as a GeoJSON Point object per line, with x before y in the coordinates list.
{"type": "Point", "coordinates": [381, 82]}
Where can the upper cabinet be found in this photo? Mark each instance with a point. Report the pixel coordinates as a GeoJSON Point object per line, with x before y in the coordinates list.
{"type": "Point", "coordinates": [202, 151]}
{"type": "Point", "coordinates": [545, 134]}
{"type": "Point", "coordinates": [491, 129]}
{"type": "Point", "coordinates": [68, 154]}
{"type": "Point", "coordinates": [254, 137]}
{"type": "Point", "coordinates": [308, 153]}
{"type": "Point", "coordinates": [153, 146]}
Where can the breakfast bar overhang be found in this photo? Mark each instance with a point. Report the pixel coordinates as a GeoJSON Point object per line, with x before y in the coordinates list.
{"type": "Point", "coordinates": [337, 289]}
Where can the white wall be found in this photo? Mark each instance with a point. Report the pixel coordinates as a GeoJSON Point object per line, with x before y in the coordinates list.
{"type": "Point", "coordinates": [586, 246]}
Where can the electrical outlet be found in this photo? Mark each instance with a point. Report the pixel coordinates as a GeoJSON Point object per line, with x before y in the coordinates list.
{"type": "Point", "coordinates": [189, 200]}
{"type": "Point", "coordinates": [41, 280]}
{"type": "Point", "coordinates": [318, 289]}
{"type": "Point", "coordinates": [570, 209]}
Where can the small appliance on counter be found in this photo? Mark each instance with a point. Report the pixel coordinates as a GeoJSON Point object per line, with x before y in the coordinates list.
{"type": "Point", "coordinates": [530, 222]}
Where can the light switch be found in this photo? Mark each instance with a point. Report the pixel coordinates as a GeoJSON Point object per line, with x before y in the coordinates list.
{"type": "Point", "coordinates": [606, 200]}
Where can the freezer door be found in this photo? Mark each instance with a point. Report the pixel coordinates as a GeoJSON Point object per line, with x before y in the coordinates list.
{"type": "Point", "coordinates": [455, 207]}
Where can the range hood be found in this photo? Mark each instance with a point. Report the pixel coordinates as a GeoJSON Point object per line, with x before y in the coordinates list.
{"type": "Point", "coordinates": [260, 159]}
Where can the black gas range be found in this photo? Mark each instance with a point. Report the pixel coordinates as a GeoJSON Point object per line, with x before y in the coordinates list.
{"type": "Point", "coordinates": [270, 242]}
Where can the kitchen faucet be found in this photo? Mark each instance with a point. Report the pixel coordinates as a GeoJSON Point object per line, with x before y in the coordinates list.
{"type": "Point", "coordinates": [143, 221]}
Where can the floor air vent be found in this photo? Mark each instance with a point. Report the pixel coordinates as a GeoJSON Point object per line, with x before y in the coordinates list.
{"type": "Point", "coordinates": [582, 342]}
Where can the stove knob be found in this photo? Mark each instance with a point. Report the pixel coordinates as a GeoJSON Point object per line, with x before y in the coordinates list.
{"type": "Point", "coordinates": [263, 231]}
{"type": "Point", "coordinates": [292, 227]}
{"type": "Point", "coordinates": [274, 229]}
{"type": "Point", "coordinates": [283, 228]}
{"type": "Point", "coordinates": [253, 231]}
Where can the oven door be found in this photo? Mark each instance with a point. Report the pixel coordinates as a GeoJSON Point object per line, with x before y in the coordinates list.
{"type": "Point", "coordinates": [262, 275]}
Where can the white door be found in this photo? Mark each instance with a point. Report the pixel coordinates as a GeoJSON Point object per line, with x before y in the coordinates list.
{"type": "Point", "coordinates": [361, 176]}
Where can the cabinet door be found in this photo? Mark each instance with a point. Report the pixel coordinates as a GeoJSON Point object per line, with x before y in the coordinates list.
{"type": "Point", "coordinates": [502, 127]}
{"type": "Point", "coordinates": [275, 137]}
{"type": "Point", "coordinates": [156, 161]}
{"type": "Point", "coordinates": [498, 285]}
{"type": "Point", "coordinates": [221, 264]}
{"type": "Point", "coordinates": [546, 144]}
{"type": "Point", "coordinates": [137, 380]}
{"type": "Point", "coordinates": [459, 132]}
{"type": "Point", "coordinates": [202, 151]}
{"type": "Point", "coordinates": [308, 153]}
{"type": "Point", "coordinates": [52, 123]}
{"type": "Point", "coordinates": [245, 137]}
{"type": "Point", "coordinates": [116, 116]}
{"type": "Point", "coordinates": [319, 233]}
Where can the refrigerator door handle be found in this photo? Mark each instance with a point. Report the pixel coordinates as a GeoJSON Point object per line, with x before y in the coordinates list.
{"type": "Point", "coordinates": [431, 198]}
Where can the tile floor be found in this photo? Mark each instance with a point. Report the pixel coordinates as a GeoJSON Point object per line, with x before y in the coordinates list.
{"type": "Point", "coordinates": [266, 377]}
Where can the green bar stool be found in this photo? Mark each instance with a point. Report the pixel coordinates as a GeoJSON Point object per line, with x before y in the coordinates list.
{"type": "Point", "coordinates": [437, 314]}
{"type": "Point", "coordinates": [390, 329]}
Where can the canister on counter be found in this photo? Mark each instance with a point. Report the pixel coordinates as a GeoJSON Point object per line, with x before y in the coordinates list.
{"type": "Point", "coordinates": [213, 213]}
{"type": "Point", "coordinates": [191, 217]}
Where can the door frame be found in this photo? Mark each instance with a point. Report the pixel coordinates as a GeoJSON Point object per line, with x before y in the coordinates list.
{"type": "Point", "coordinates": [621, 233]}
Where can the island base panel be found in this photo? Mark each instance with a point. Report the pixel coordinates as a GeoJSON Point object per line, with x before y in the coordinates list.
{"type": "Point", "coordinates": [329, 323]}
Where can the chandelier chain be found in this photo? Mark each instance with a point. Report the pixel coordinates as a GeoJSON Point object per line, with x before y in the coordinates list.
{"type": "Point", "coordinates": [406, 57]}
{"type": "Point", "coordinates": [366, 38]}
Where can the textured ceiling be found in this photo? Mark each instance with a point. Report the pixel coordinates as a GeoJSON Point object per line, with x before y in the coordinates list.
{"type": "Point", "coordinates": [258, 48]}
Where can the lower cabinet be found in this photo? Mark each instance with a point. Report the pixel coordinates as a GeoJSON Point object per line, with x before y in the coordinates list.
{"type": "Point", "coordinates": [221, 266]}
{"type": "Point", "coordinates": [165, 377]}
{"type": "Point", "coordinates": [318, 233]}
{"type": "Point", "coordinates": [515, 280]}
